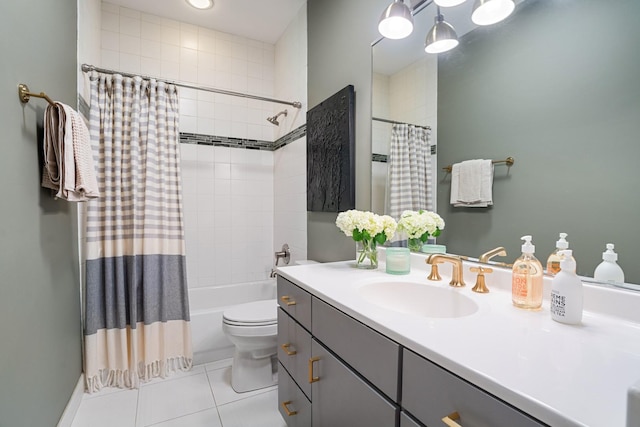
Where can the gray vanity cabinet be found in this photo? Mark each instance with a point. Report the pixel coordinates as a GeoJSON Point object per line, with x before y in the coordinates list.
{"type": "Point", "coordinates": [294, 350]}
{"type": "Point", "coordinates": [342, 398]}
{"type": "Point", "coordinates": [406, 421]}
{"type": "Point", "coordinates": [294, 406]}
{"type": "Point", "coordinates": [430, 393]}
{"type": "Point", "coordinates": [296, 302]}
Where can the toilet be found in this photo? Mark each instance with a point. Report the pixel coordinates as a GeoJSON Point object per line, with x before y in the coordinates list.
{"type": "Point", "coordinates": [253, 329]}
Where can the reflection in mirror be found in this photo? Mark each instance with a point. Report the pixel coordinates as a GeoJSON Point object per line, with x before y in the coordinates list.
{"type": "Point", "coordinates": [557, 117]}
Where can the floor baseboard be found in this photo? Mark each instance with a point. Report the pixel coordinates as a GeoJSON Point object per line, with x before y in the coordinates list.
{"type": "Point", "coordinates": [74, 403]}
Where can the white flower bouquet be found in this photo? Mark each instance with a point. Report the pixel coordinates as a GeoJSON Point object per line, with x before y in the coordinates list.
{"type": "Point", "coordinates": [419, 226]}
{"type": "Point", "coordinates": [369, 230]}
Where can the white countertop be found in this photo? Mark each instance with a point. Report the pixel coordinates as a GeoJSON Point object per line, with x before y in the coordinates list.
{"type": "Point", "coordinates": [560, 374]}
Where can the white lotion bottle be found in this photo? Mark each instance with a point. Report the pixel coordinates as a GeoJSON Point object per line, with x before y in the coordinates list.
{"type": "Point", "coordinates": [608, 270]}
{"type": "Point", "coordinates": [566, 292]}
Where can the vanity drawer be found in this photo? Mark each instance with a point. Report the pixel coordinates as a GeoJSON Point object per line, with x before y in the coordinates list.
{"type": "Point", "coordinates": [407, 421]}
{"type": "Point", "coordinates": [342, 399]}
{"type": "Point", "coordinates": [294, 350]}
{"type": "Point", "coordinates": [295, 301]}
{"type": "Point", "coordinates": [294, 407]}
{"type": "Point", "coordinates": [371, 354]}
{"type": "Point", "coordinates": [430, 393]}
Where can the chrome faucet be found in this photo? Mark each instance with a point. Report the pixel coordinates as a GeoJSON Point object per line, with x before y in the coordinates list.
{"type": "Point", "coordinates": [283, 254]}
{"type": "Point", "coordinates": [456, 276]}
{"type": "Point", "coordinates": [499, 251]}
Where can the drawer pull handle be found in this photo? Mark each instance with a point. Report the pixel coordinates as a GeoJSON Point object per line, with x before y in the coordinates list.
{"type": "Point", "coordinates": [451, 419]}
{"type": "Point", "coordinates": [312, 379]}
{"type": "Point", "coordinates": [287, 410]}
{"type": "Point", "coordinates": [285, 347]}
{"type": "Point", "coordinates": [287, 300]}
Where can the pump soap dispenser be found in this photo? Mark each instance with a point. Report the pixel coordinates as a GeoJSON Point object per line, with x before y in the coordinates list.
{"type": "Point", "coordinates": [553, 262]}
{"type": "Point", "coordinates": [608, 270]}
{"type": "Point", "coordinates": [526, 279]}
{"type": "Point", "coordinates": [566, 292]}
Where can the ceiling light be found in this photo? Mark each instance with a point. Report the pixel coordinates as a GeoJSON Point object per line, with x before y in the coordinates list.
{"type": "Point", "coordinates": [449, 3]}
{"type": "Point", "coordinates": [201, 4]}
{"type": "Point", "coordinates": [396, 21]}
{"type": "Point", "coordinates": [441, 37]}
{"type": "Point", "coordinates": [487, 12]}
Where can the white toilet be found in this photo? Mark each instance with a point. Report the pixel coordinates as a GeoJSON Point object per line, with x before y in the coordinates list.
{"type": "Point", "coordinates": [253, 329]}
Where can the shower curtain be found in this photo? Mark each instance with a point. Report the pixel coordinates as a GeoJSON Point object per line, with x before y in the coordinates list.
{"type": "Point", "coordinates": [136, 303]}
{"type": "Point", "coordinates": [409, 170]}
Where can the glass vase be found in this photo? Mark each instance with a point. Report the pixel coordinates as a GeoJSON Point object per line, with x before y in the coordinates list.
{"type": "Point", "coordinates": [414, 244]}
{"type": "Point", "coordinates": [366, 254]}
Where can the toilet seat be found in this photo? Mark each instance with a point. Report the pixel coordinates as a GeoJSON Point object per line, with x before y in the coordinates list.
{"type": "Point", "coordinates": [252, 315]}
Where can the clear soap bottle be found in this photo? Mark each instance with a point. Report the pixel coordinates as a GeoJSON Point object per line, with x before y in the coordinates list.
{"type": "Point", "coordinates": [553, 262]}
{"type": "Point", "coordinates": [526, 279]}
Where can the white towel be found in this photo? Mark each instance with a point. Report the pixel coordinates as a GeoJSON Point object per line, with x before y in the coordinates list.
{"type": "Point", "coordinates": [68, 159]}
{"type": "Point", "coordinates": [471, 184]}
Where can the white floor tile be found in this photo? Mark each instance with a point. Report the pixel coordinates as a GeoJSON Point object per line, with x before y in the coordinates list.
{"type": "Point", "coordinates": [198, 369]}
{"type": "Point", "coordinates": [170, 399]}
{"type": "Point", "coordinates": [220, 381]}
{"type": "Point", "coordinates": [218, 364]}
{"type": "Point", "coordinates": [113, 409]}
{"type": "Point", "coordinates": [206, 418]}
{"type": "Point", "coordinates": [260, 410]}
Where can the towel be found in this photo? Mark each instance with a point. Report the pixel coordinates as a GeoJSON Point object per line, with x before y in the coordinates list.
{"type": "Point", "coordinates": [471, 184]}
{"type": "Point", "coordinates": [68, 160]}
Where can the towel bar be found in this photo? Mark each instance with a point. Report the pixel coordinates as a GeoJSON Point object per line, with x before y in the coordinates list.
{"type": "Point", "coordinates": [509, 161]}
{"type": "Point", "coordinates": [25, 95]}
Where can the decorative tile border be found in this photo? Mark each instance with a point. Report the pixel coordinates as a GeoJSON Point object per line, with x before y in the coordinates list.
{"type": "Point", "coordinates": [382, 158]}
{"type": "Point", "coordinates": [248, 144]}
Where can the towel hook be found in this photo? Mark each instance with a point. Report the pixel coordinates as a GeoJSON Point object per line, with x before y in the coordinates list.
{"type": "Point", "coordinates": [25, 95]}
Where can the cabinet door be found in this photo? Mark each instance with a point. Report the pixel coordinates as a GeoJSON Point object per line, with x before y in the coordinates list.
{"type": "Point", "coordinates": [294, 407]}
{"type": "Point", "coordinates": [430, 393]}
{"type": "Point", "coordinates": [294, 350]}
{"type": "Point", "coordinates": [342, 398]}
{"type": "Point", "coordinates": [407, 421]}
{"type": "Point", "coordinates": [295, 301]}
{"type": "Point", "coordinates": [370, 353]}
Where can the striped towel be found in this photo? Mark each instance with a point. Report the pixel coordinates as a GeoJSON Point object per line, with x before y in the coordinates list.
{"type": "Point", "coordinates": [68, 159]}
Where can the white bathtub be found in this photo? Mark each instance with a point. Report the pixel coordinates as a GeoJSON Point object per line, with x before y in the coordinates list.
{"type": "Point", "coordinates": [206, 308]}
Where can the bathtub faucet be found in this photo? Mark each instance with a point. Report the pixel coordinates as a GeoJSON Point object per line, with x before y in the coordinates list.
{"type": "Point", "coordinates": [283, 254]}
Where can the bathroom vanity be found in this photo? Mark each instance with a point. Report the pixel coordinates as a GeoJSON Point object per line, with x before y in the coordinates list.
{"type": "Point", "coordinates": [363, 348]}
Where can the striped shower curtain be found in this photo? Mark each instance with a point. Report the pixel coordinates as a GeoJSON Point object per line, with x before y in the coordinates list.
{"type": "Point", "coordinates": [136, 304]}
{"type": "Point", "coordinates": [409, 170]}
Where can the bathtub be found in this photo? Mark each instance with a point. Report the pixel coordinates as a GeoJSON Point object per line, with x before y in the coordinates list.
{"type": "Point", "coordinates": [206, 306]}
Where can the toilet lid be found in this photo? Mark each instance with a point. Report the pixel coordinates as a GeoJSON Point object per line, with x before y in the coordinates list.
{"type": "Point", "coordinates": [253, 312]}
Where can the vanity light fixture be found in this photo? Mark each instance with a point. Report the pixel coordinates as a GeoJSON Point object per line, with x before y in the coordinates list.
{"type": "Point", "coordinates": [200, 4]}
{"type": "Point", "coordinates": [396, 21]}
{"type": "Point", "coordinates": [441, 37]}
{"type": "Point", "coordinates": [448, 3]}
{"type": "Point", "coordinates": [488, 12]}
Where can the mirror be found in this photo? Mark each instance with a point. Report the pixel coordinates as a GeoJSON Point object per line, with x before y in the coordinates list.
{"type": "Point", "coordinates": [568, 131]}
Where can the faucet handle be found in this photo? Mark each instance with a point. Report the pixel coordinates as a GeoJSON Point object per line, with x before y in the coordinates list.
{"type": "Point", "coordinates": [481, 286]}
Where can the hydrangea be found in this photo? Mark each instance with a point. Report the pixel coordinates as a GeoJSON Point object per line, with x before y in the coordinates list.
{"type": "Point", "coordinates": [362, 225]}
{"type": "Point", "coordinates": [420, 224]}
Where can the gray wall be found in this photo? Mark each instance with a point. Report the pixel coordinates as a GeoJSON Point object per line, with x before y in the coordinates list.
{"type": "Point", "coordinates": [40, 335]}
{"type": "Point", "coordinates": [557, 88]}
{"type": "Point", "coordinates": [340, 34]}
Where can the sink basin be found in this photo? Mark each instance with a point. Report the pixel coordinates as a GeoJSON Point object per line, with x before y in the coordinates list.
{"type": "Point", "coordinates": [419, 299]}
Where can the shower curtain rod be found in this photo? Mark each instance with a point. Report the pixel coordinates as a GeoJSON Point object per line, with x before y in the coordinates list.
{"type": "Point", "coordinates": [398, 123]}
{"type": "Point", "coordinates": [86, 68]}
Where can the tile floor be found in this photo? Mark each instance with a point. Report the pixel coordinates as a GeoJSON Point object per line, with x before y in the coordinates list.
{"type": "Point", "coordinates": [199, 398]}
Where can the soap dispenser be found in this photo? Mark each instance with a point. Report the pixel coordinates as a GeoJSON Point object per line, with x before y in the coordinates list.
{"type": "Point", "coordinates": [608, 270]}
{"type": "Point", "coordinates": [553, 262]}
{"type": "Point", "coordinates": [566, 292]}
{"type": "Point", "coordinates": [526, 279]}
